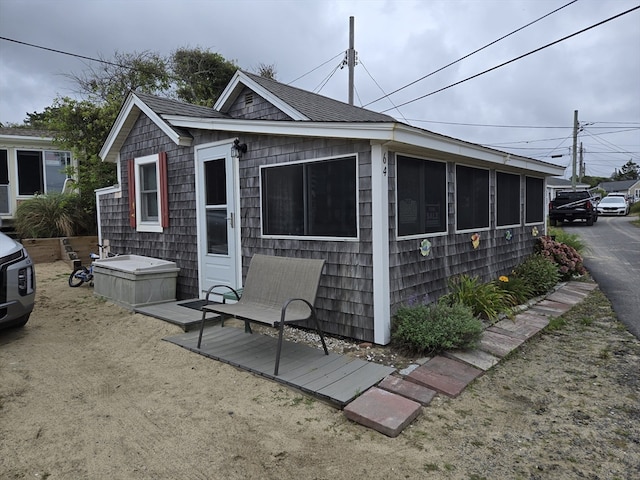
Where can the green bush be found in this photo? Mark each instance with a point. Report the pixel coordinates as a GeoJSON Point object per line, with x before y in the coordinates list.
{"type": "Point", "coordinates": [53, 215]}
{"type": "Point", "coordinates": [428, 329]}
{"type": "Point", "coordinates": [540, 273]}
{"type": "Point", "coordinates": [517, 287]}
{"type": "Point", "coordinates": [485, 299]}
{"type": "Point", "coordinates": [567, 259]}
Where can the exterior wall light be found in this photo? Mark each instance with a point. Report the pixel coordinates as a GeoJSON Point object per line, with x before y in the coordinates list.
{"type": "Point", "coordinates": [237, 149]}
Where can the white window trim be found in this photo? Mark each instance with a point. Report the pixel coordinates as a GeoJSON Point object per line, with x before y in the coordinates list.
{"type": "Point", "coordinates": [520, 201]}
{"type": "Point", "coordinates": [306, 237]}
{"type": "Point", "coordinates": [455, 188]}
{"type": "Point", "coordinates": [416, 236]}
{"type": "Point", "coordinates": [146, 226]}
{"type": "Point", "coordinates": [544, 212]}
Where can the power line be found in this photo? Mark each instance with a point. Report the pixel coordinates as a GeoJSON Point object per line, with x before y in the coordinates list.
{"type": "Point", "coordinates": [516, 58]}
{"type": "Point", "coordinates": [469, 54]}
{"type": "Point", "coordinates": [382, 90]}
{"type": "Point", "coordinates": [316, 68]}
{"type": "Point", "coordinates": [67, 53]}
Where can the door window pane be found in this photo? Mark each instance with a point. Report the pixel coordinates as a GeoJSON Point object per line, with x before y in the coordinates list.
{"type": "Point", "coordinates": [215, 182]}
{"type": "Point", "coordinates": [217, 231]}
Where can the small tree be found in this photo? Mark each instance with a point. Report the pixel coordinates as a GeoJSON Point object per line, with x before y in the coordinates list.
{"type": "Point", "coordinates": [629, 171]}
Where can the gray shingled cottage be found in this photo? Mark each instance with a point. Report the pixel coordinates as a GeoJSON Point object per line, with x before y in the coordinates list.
{"type": "Point", "coordinates": [394, 210]}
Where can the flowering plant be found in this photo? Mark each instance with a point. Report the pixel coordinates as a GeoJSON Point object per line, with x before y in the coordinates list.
{"type": "Point", "coordinates": [503, 278]}
{"type": "Point", "coordinates": [567, 258]}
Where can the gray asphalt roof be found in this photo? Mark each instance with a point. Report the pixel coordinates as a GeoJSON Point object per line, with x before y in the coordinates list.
{"type": "Point", "coordinates": [318, 108]}
{"type": "Point", "coordinates": [168, 106]}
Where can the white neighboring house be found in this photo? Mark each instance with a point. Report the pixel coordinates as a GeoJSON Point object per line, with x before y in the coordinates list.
{"type": "Point", "coordinates": [629, 188]}
{"type": "Point", "coordinates": [556, 184]}
{"type": "Point", "coordinates": [30, 164]}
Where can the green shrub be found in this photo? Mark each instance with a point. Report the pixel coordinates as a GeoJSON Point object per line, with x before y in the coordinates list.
{"type": "Point", "coordinates": [485, 299]}
{"type": "Point", "coordinates": [52, 215]}
{"type": "Point", "coordinates": [567, 259]}
{"type": "Point", "coordinates": [428, 329]}
{"type": "Point", "coordinates": [570, 239]}
{"type": "Point", "coordinates": [540, 273]}
{"type": "Point", "coordinates": [520, 291]}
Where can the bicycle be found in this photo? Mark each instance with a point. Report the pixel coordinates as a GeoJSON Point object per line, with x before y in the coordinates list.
{"type": "Point", "coordinates": [84, 274]}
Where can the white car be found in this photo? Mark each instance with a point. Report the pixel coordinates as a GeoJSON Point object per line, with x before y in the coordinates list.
{"type": "Point", "coordinates": [613, 205]}
{"type": "Point", "coordinates": [17, 283]}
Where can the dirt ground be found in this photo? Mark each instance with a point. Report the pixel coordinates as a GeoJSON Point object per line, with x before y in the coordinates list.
{"type": "Point", "coordinates": [90, 391]}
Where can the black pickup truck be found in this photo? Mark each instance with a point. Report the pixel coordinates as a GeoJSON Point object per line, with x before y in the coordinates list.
{"type": "Point", "coordinates": [569, 206]}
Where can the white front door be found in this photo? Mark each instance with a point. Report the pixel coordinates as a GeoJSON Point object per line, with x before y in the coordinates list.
{"type": "Point", "coordinates": [218, 219]}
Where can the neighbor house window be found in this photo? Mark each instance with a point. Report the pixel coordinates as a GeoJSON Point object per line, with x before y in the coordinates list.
{"type": "Point", "coordinates": [421, 205]}
{"type": "Point", "coordinates": [534, 200]}
{"type": "Point", "coordinates": [507, 199]}
{"type": "Point", "coordinates": [472, 198]}
{"type": "Point", "coordinates": [148, 203]}
{"type": "Point", "coordinates": [4, 182]}
{"type": "Point", "coordinates": [41, 171]}
{"type": "Point", "coordinates": [310, 199]}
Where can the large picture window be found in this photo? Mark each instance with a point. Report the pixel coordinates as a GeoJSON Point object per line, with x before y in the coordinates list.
{"type": "Point", "coordinates": [472, 198]}
{"type": "Point", "coordinates": [421, 205]}
{"type": "Point", "coordinates": [310, 199]}
{"type": "Point", "coordinates": [507, 199]}
{"type": "Point", "coordinates": [534, 200]}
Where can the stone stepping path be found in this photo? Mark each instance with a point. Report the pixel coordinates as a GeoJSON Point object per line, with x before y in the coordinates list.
{"type": "Point", "coordinates": [396, 401]}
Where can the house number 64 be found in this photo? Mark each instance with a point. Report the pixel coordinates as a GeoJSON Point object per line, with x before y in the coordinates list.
{"type": "Point", "coordinates": [384, 164]}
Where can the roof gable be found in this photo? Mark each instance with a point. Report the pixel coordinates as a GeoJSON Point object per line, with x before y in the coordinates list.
{"type": "Point", "coordinates": [155, 108]}
{"type": "Point", "coordinates": [296, 103]}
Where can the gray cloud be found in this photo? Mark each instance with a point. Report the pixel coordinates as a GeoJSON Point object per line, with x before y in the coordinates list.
{"type": "Point", "coordinates": [398, 42]}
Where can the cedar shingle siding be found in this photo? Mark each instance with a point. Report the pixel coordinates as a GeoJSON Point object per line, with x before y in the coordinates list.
{"type": "Point", "coordinates": [346, 296]}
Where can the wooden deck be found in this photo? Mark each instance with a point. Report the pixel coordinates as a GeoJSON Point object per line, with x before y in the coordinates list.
{"type": "Point", "coordinates": [337, 379]}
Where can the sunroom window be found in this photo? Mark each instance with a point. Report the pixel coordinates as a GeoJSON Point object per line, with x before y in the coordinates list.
{"type": "Point", "coordinates": [507, 199]}
{"type": "Point", "coordinates": [421, 206]}
{"type": "Point", "coordinates": [472, 198]}
{"type": "Point", "coordinates": [41, 171]}
{"type": "Point", "coordinates": [534, 200]}
{"type": "Point", "coordinates": [317, 199]}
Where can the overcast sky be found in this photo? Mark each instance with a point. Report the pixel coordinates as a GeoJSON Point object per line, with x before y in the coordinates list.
{"type": "Point", "coordinates": [525, 107]}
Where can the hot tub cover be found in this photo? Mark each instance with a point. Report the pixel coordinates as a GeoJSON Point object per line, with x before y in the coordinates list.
{"type": "Point", "coordinates": [137, 264]}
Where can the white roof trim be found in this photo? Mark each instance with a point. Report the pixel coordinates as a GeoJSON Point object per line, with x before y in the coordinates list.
{"type": "Point", "coordinates": [24, 138]}
{"type": "Point", "coordinates": [124, 123]}
{"type": "Point", "coordinates": [236, 84]}
{"type": "Point", "coordinates": [393, 134]}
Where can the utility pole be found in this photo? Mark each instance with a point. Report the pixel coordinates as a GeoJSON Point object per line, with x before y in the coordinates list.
{"type": "Point", "coordinates": [575, 149]}
{"type": "Point", "coordinates": [351, 58]}
{"type": "Point", "coordinates": [581, 169]}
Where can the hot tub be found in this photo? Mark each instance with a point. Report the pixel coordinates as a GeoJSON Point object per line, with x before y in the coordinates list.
{"type": "Point", "coordinates": [134, 281]}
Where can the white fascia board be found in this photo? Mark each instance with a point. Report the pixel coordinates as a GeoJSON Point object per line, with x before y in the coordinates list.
{"type": "Point", "coordinates": [124, 122]}
{"type": "Point", "coordinates": [24, 140]}
{"type": "Point", "coordinates": [235, 86]}
{"type": "Point", "coordinates": [377, 131]}
{"type": "Point", "coordinates": [395, 135]}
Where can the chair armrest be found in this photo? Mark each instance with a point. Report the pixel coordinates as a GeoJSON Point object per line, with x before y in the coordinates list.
{"type": "Point", "coordinates": [223, 299]}
{"type": "Point", "coordinates": [290, 301]}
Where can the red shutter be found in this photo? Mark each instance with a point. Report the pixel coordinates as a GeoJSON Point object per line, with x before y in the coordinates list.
{"type": "Point", "coordinates": [164, 190]}
{"type": "Point", "coordinates": [131, 173]}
